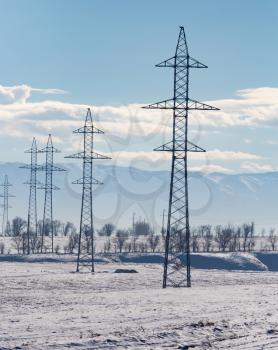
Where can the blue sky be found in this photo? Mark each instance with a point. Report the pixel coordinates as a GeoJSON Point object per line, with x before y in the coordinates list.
{"type": "Point", "coordinates": [102, 53]}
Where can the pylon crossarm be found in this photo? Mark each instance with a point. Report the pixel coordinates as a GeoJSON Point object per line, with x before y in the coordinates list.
{"type": "Point", "coordinates": [191, 147]}
{"type": "Point", "coordinates": [49, 149]}
{"type": "Point", "coordinates": [196, 64]}
{"type": "Point", "coordinates": [29, 166]}
{"type": "Point", "coordinates": [49, 167]}
{"type": "Point", "coordinates": [170, 62]}
{"type": "Point", "coordinates": [180, 61]}
{"type": "Point", "coordinates": [37, 183]}
{"type": "Point", "coordinates": [88, 155]}
{"type": "Point", "coordinates": [168, 147]}
{"type": "Point", "coordinates": [48, 187]}
{"type": "Point", "coordinates": [181, 104]}
{"type": "Point", "coordinates": [57, 168]}
{"type": "Point", "coordinates": [179, 147]}
{"type": "Point", "coordinates": [166, 104]}
{"type": "Point", "coordinates": [87, 181]}
{"type": "Point", "coordinates": [88, 129]}
{"type": "Point", "coordinates": [30, 150]}
{"type": "Point", "coordinates": [96, 155]}
{"type": "Point", "coordinates": [196, 105]}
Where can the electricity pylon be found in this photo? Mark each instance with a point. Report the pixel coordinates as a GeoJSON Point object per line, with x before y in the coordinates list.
{"type": "Point", "coordinates": [32, 221]}
{"type": "Point", "coordinates": [48, 186]}
{"type": "Point", "coordinates": [85, 258]}
{"type": "Point", "coordinates": [177, 264]}
{"type": "Point", "coordinates": [6, 195]}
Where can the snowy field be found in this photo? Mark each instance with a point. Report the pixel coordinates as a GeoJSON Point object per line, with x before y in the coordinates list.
{"type": "Point", "coordinates": [47, 306]}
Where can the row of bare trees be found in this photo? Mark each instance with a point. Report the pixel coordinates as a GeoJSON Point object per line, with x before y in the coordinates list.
{"type": "Point", "coordinates": [142, 238]}
{"type": "Point", "coordinates": [18, 225]}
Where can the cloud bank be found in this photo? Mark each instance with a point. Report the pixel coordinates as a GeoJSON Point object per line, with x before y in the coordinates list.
{"type": "Point", "coordinates": [22, 117]}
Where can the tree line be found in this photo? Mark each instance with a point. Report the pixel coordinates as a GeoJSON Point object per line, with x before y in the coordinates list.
{"type": "Point", "coordinates": [141, 238]}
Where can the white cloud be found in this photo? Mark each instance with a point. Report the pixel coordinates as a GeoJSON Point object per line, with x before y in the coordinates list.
{"type": "Point", "coordinates": [253, 107]}
{"type": "Point", "coordinates": [255, 167]}
{"type": "Point", "coordinates": [21, 93]}
{"type": "Point", "coordinates": [23, 118]}
{"type": "Point", "coordinates": [224, 155]}
{"type": "Point", "coordinates": [50, 91]}
{"type": "Point", "coordinates": [211, 155]}
{"type": "Point", "coordinates": [211, 168]}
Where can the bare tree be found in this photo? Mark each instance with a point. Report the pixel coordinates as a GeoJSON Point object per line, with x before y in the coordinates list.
{"type": "Point", "coordinates": [18, 226]}
{"type": "Point", "coordinates": [72, 243]}
{"type": "Point", "coordinates": [134, 240]}
{"type": "Point", "coordinates": [107, 245]}
{"type": "Point", "coordinates": [18, 236]}
{"type": "Point", "coordinates": [143, 247]}
{"type": "Point", "coordinates": [153, 241]}
{"type": "Point", "coordinates": [233, 244]}
{"type": "Point", "coordinates": [272, 238]}
{"type": "Point", "coordinates": [178, 240]}
{"type": "Point", "coordinates": [57, 226]}
{"type": "Point", "coordinates": [223, 236]}
{"type": "Point", "coordinates": [35, 243]}
{"type": "Point", "coordinates": [195, 240]}
{"type": "Point", "coordinates": [248, 237]}
{"type": "Point", "coordinates": [40, 226]}
{"type": "Point", "coordinates": [18, 243]}
{"type": "Point", "coordinates": [69, 229]}
{"type": "Point", "coordinates": [107, 230]}
{"type": "Point", "coordinates": [57, 249]}
{"type": "Point", "coordinates": [163, 233]}
{"type": "Point", "coordinates": [208, 238]}
{"type": "Point", "coordinates": [2, 248]}
{"type": "Point", "coordinates": [8, 229]}
{"type": "Point", "coordinates": [120, 239]}
{"type": "Point", "coordinates": [142, 228]}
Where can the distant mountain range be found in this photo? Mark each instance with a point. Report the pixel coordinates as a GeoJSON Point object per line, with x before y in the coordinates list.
{"type": "Point", "coordinates": [214, 198]}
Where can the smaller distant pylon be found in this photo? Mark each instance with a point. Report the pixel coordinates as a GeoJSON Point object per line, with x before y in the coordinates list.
{"type": "Point", "coordinates": [48, 186]}
{"type": "Point", "coordinates": [32, 221]}
{"type": "Point", "coordinates": [5, 195]}
{"type": "Point", "coordinates": [85, 258]}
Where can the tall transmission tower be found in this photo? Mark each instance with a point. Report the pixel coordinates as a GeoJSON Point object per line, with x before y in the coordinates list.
{"type": "Point", "coordinates": [176, 268]}
{"type": "Point", "coordinates": [85, 258]}
{"type": "Point", "coordinates": [49, 168]}
{"type": "Point", "coordinates": [6, 195]}
{"type": "Point", "coordinates": [32, 221]}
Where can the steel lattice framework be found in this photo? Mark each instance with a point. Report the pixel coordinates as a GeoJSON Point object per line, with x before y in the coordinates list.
{"type": "Point", "coordinates": [5, 195]}
{"type": "Point", "coordinates": [177, 264]}
{"type": "Point", "coordinates": [32, 221]}
{"type": "Point", "coordinates": [49, 168]}
{"type": "Point", "coordinates": [85, 257]}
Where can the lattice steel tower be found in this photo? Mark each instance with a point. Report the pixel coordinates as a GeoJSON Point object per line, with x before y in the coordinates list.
{"type": "Point", "coordinates": [49, 168]}
{"type": "Point", "coordinates": [85, 258]}
{"type": "Point", "coordinates": [176, 267]}
{"type": "Point", "coordinates": [32, 222]}
{"type": "Point", "coordinates": [6, 195]}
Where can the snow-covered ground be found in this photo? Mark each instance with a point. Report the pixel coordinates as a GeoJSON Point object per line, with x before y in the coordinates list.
{"type": "Point", "coordinates": [47, 306]}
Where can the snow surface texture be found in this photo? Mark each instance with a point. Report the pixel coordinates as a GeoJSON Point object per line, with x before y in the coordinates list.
{"type": "Point", "coordinates": [222, 261]}
{"type": "Point", "coordinates": [46, 306]}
